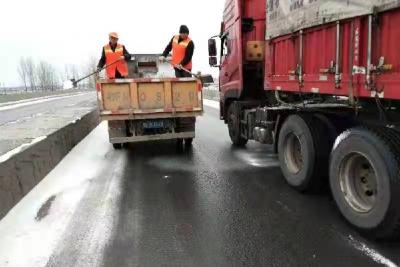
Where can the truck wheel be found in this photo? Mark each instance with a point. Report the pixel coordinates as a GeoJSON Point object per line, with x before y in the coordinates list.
{"type": "Point", "coordinates": [117, 146]}
{"type": "Point", "coordinates": [303, 150]}
{"type": "Point", "coordinates": [188, 141]}
{"type": "Point", "coordinates": [179, 142]}
{"type": "Point", "coordinates": [329, 124]}
{"type": "Point", "coordinates": [365, 182]}
{"type": "Point", "coordinates": [234, 127]}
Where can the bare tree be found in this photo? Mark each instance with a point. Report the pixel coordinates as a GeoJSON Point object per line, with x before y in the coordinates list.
{"type": "Point", "coordinates": [54, 79]}
{"type": "Point", "coordinates": [73, 71]}
{"type": "Point", "coordinates": [70, 72]}
{"type": "Point", "coordinates": [31, 72]}
{"type": "Point", "coordinates": [22, 72]}
{"type": "Point", "coordinates": [90, 67]}
{"type": "Point", "coordinates": [66, 75]}
{"type": "Point", "coordinates": [42, 75]}
{"type": "Point", "coordinates": [47, 76]}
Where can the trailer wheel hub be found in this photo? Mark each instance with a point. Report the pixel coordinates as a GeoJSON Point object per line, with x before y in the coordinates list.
{"type": "Point", "coordinates": [292, 154]}
{"type": "Point", "coordinates": [358, 182]}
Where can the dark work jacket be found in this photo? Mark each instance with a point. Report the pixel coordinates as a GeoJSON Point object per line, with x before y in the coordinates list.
{"type": "Point", "coordinates": [102, 60]}
{"type": "Point", "coordinates": [188, 54]}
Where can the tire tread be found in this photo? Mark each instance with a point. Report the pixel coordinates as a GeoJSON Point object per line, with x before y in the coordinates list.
{"type": "Point", "coordinates": [389, 229]}
{"type": "Point", "coordinates": [322, 145]}
{"type": "Point", "coordinates": [391, 138]}
{"type": "Point", "coordinates": [238, 140]}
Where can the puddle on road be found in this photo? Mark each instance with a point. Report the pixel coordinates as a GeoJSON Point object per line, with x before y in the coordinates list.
{"type": "Point", "coordinates": [45, 208]}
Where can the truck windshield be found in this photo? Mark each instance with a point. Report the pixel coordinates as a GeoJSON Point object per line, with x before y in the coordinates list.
{"type": "Point", "coordinates": [225, 49]}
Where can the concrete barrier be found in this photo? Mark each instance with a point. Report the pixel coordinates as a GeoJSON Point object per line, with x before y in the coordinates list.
{"type": "Point", "coordinates": [24, 170]}
{"type": "Point", "coordinates": [211, 94]}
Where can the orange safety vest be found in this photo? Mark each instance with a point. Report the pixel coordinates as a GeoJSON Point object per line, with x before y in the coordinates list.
{"type": "Point", "coordinates": [111, 57]}
{"type": "Point", "coordinates": [179, 51]}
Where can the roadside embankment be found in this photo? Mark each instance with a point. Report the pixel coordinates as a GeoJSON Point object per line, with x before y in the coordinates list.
{"type": "Point", "coordinates": [33, 146]}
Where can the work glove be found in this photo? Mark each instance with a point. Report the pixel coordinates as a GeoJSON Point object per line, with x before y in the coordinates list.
{"type": "Point", "coordinates": [162, 59]}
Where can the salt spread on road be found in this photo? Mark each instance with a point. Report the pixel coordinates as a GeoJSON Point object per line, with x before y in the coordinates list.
{"type": "Point", "coordinates": [27, 241]}
{"type": "Point", "coordinates": [211, 103]}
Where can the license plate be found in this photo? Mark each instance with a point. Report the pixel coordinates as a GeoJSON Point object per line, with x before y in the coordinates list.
{"type": "Point", "coordinates": [153, 124]}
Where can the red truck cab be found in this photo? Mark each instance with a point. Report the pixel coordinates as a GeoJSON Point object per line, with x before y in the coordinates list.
{"type": "Point", "coordinates": [242, 51]}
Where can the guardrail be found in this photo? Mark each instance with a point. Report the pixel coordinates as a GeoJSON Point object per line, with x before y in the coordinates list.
{"type": "Point", "coordinates": [211, 92]}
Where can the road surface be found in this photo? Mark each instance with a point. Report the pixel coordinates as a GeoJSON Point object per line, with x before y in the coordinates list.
{"type": "Point", "coordinates": [22, 122]}
{"type": "Point", "coordinates": [27, 110]}
{"type": "Point", "coordinates": [157, 205]}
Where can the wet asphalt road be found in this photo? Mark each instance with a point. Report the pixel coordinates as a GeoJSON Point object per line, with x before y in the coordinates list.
{"type": "Point", "coordinates": [213, 205]}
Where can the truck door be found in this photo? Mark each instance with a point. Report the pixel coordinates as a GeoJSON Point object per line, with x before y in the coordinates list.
{"type": "Point", "coordinates": [230, 65]}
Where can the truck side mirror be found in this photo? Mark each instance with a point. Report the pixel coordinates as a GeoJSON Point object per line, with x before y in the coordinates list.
{"type": "Point", "coordinates": [212, 61]}
{"type": "Point", "coordinates": [212, 48]}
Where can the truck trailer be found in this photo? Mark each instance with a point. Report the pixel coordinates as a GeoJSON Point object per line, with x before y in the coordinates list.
{"type": "Point", "coordinates": [149, 104]}
{"type": "Point", "coordinates": [320, 81]}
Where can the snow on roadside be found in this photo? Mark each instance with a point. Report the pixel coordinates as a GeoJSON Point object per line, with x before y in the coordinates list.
{"type": "Point", "coordinates": [27, 241]}
{"type": "Point", "coordinates": [22, 147]}
{"type": "Point", "coordinates": [211, 103]}
{"type": "Point", "coordinates": [22, 103]}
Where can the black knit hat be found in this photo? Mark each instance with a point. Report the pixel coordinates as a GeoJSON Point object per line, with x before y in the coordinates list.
{"type": "Point", "coordinates": [184, 29]}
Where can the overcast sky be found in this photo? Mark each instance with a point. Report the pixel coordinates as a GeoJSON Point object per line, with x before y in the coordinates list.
{"type": "Point", "coordinates": [69, 32]}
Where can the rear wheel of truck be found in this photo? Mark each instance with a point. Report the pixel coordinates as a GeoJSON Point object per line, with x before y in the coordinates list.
{"type": "Point", "coordinates": [233, 119]}
{"type": "Point", "coordinates": [188, 141]}
{"type": "Point", "coordinates": [303, 149]}
{"type": "Point", "coordinates": [365, 182]}
{"type": "Point", "coordinates": [117, 146]}
{"type": "Point", "coordinates": [179, 142]}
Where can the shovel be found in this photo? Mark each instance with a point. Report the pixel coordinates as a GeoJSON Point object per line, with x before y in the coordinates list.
{"type": "Point", "coordinates": [74, 83]}
{"type": "Point", "coordinates": [203, 78]}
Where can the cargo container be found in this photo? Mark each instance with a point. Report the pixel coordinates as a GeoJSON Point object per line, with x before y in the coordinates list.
{"type": "Point", "coordinates": [320, 81]}
{"type": "Point", "coordinates": [148, 105]}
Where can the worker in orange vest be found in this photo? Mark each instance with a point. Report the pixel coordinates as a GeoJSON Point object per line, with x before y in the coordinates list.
{"type": "Point", "coordinates": [182, 52]}
{"type": "Point", "coordinates": [114, 55]}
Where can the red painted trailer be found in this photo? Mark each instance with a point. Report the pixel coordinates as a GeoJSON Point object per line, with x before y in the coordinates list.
{"type": "Point", "coordinates": [319, 80]}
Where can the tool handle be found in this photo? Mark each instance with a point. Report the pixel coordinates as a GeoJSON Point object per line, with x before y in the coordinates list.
{"type": "Point", "coordinates": [182, 68]}
{"type": "Point", "coordinates": [97, 71]}
{"type": "Point", "coordinates": [188, 71]}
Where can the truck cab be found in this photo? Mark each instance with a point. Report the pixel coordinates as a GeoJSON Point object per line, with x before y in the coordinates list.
{"type": "Point", "coordinates": [241, 55]}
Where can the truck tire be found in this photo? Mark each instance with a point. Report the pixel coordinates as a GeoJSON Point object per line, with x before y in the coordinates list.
{"type": "Point", "coordinates": [365, 182]}
{"type": "Point", "coordinates": [188, 141]}
{"type": "Point", "coordinates": [233, 119]}
{"type": "Point", "coordinates": [179, 142]}
{"type": "Point", "coordinates": [329, 124]}
{"type": "Point", "coordinates": [303, 148]}
{"type": "Point", "coordinates": [117, 146]}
